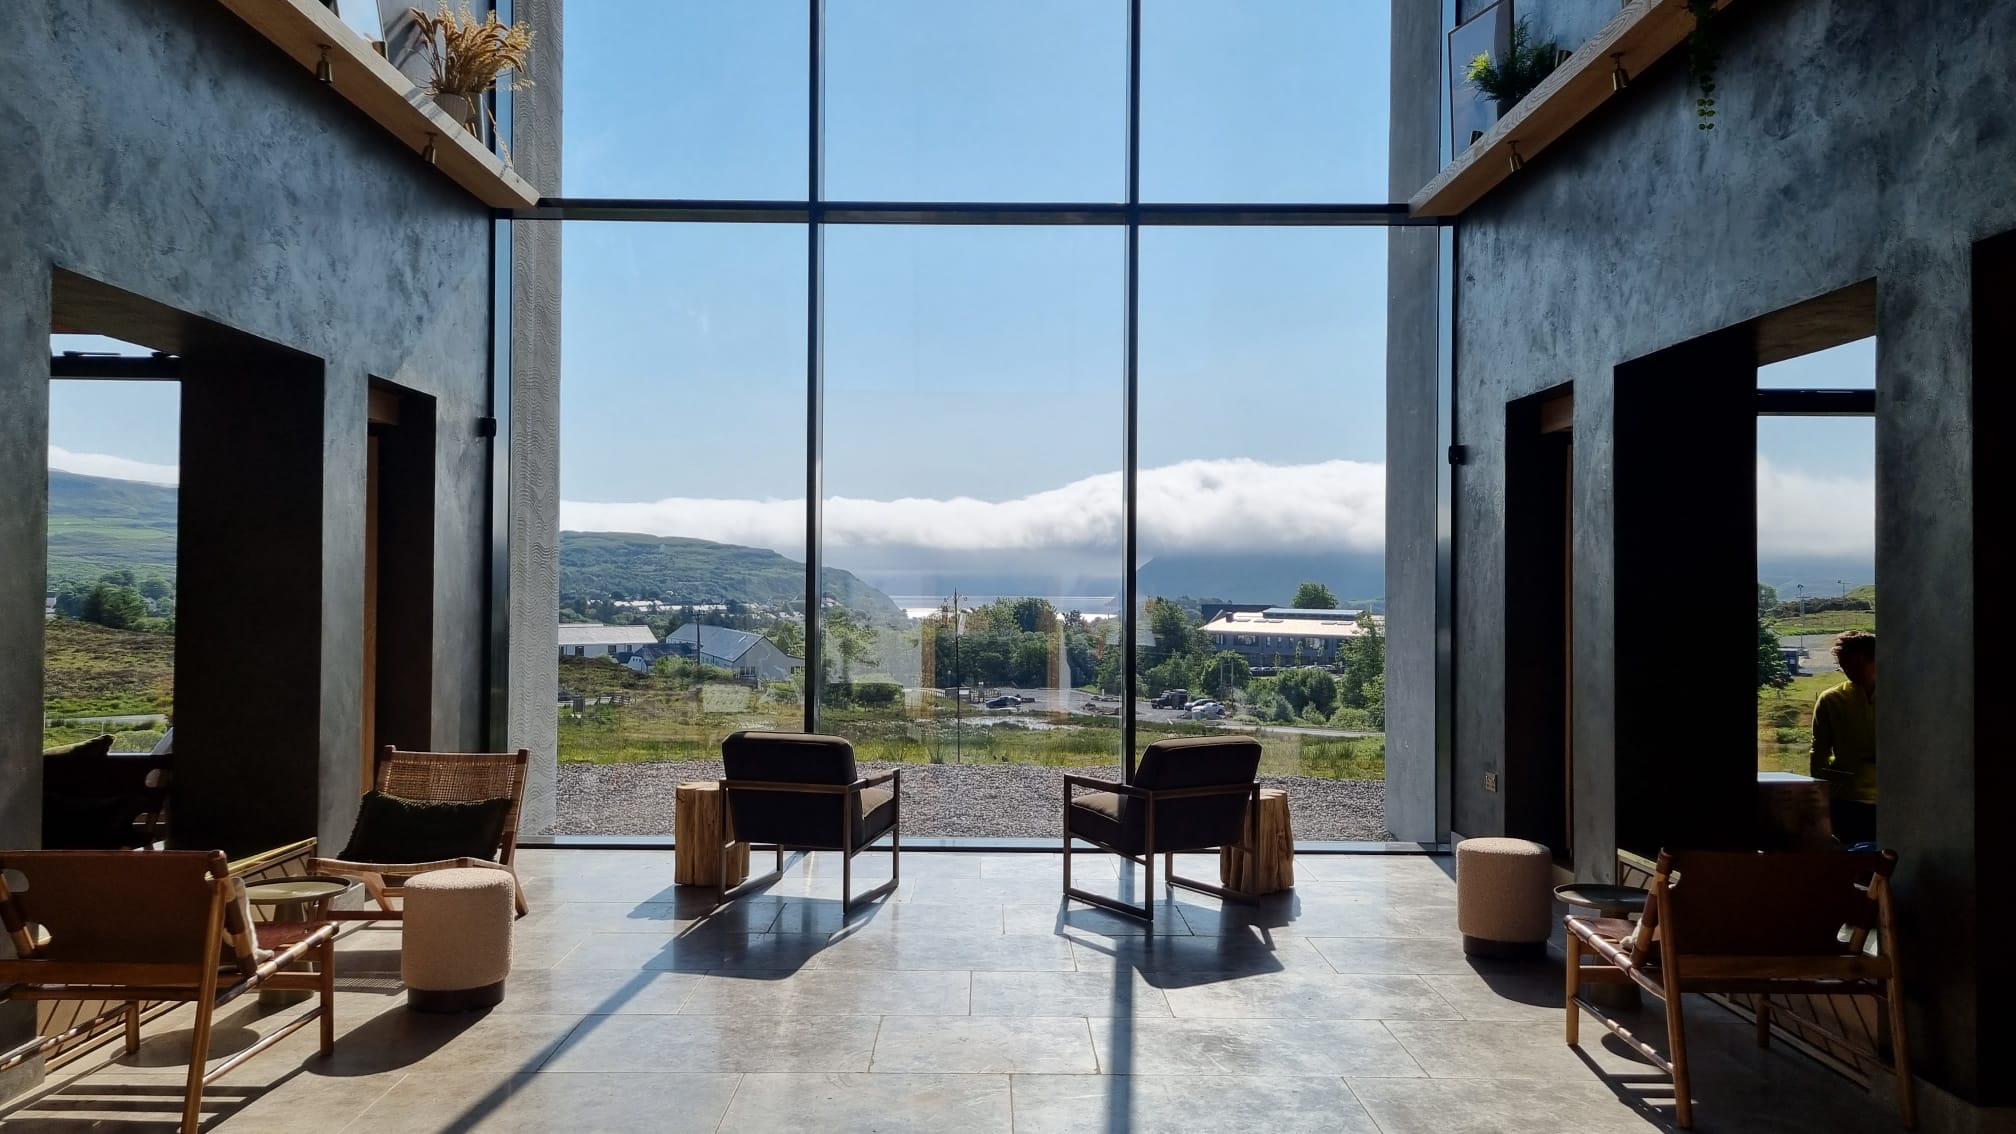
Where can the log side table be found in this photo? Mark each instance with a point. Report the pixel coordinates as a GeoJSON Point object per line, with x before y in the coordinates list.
{"type": "Point", "coordinates": [701, 830]}
{"type": "Point", "coordinates": [1272, 865]}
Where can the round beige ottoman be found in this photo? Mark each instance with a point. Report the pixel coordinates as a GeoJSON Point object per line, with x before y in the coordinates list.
{"type": "Point", "coordinates": [1504, 896]}
{"type": "Point", "coordinates": [457, 948]}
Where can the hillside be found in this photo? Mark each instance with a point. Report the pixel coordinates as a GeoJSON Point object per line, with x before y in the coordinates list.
{"type": "Point", "coordinates": [628, 565]}
{"type": "Point", "coordinates": [88, 670]}
{"type": "Point", "coordinates": [98, 524]}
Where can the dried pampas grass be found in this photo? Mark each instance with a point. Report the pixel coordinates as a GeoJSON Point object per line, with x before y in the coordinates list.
{"type": "Point", "coordinates": [469, 56]}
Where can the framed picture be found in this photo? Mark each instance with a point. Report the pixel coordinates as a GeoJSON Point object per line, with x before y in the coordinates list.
{"type": "Point", "coordinates": [1489, 32]}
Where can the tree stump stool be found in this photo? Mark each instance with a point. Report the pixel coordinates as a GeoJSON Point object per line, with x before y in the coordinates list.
{"type": "Point", "coordinates": [1271, 866]}
{"type": "Point", "coordinates": [701, 830]}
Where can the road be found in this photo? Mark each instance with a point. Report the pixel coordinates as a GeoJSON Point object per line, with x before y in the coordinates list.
{"type": "Point", "coordinates": [130, 720]}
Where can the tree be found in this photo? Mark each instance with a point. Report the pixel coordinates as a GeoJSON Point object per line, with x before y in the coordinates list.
{"type": "Point", "coordinates": [113, 605]}
{"type": "Point", "coordinates": [1314, 596]}
{"type": "Point", "coordinates": [1224, 673]}
{"type": "Point", "coordinates": [1767, 599]}
{"type": "Point", "coordinates": [787, 636]}
{"type": "Point", "coordinates": [852, 640]}
{"type": "Point", "coordinates": [1170, 623]}
{"type": "Point", "coordinates": [1770, 662]}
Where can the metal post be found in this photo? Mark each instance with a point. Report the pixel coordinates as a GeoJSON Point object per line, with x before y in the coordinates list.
{"type": "Point", "coordinates": [1130, 429]}
{"type": "Point", "coordinates": [815, 378]}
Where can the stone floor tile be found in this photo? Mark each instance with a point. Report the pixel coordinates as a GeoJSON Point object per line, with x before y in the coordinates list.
{"type": "Point", "coordinates": [985, 1045]}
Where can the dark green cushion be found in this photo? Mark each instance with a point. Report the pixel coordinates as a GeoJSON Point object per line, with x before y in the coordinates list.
{"type": "Point", "coordinates": [392, 829]}
{"type": "Point", "coordinates": [96, 746]}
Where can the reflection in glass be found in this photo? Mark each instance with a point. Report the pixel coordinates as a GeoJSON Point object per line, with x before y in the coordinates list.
{"type": "Point", "coordinates": [683, 498]}
{"type": "Point", "coordinates": [972, 518]}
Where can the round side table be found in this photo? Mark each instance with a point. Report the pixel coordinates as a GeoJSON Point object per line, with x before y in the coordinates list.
{"type": "Point", "coordinates": [296, 900]}
{"type": "Point", "coordinates": [1607, 901]}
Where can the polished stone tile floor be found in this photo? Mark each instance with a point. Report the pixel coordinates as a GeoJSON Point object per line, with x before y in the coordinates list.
{"type": "Point", "coordinates": [971, 1000]}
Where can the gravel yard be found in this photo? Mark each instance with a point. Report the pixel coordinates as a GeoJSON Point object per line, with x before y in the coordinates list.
{"type": "Point", "coordinates": [944, 800]}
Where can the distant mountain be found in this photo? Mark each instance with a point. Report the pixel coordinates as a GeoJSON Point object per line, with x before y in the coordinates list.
{"type": "Point", "coordinates": [98, 524]}
{"type": "Point", "coordinates": [598, 564]}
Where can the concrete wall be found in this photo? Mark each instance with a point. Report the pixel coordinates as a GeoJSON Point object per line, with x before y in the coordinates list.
{"type": "Point", "coordinates": [534, 677]}
{"type": "Point", "coordinates": [1855, 141]}
{"type": "Point", "coordinates": [162, 147]}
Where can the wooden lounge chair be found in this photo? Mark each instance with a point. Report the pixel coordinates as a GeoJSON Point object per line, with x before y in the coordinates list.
{"type": "Point", "coordinates": [800, 790]}
{"type": "Point", "coordinates": [1787, 923]}
{"type": "Point", "coordinates": [437, 777]}
{"type": "Point", "coordinates": [1192, 793]}
{"type": "Point", "coordinates": [147, 926]}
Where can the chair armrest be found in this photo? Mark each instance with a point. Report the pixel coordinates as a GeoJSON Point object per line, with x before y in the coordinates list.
{"type": "Point", "coordinates": [893, 774]}
{"type": "Point", "coordinates": [1113, 786]}
{"type": "Point", "coordinates": [401, 869]}
{"type": "Point", "coordinates": [1198, 792]}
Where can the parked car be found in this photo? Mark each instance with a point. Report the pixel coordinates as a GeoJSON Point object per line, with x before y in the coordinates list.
{"type": "Point", "coordinates": [1025, 699]}
{"type": "Point", "coordinates": [1207, 710]}
{"type": "Point", "coordinates": [1003, 702]}
{"type": "Point", "coordinates": [1171, 699]}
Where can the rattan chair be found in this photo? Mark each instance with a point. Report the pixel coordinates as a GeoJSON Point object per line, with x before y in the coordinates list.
{"type": "Point", "coordinates": [150, 926]}
{"type": "Point", "coordinates": [1188, 794]}
{"type": "Point", "coordinates": [1789, 922]}
{"type": "Point", "coordinates": [440, 777]}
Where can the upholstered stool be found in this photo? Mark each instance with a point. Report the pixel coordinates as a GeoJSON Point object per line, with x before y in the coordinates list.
{"type": "Point", "coordinates": [457, 948]}
{"type": "Point", "coordinates": [1504, 896]}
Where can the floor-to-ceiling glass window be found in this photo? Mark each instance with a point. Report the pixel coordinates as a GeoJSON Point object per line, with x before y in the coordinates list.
{"type": "Point", "coordinates": [1262, 506]}
{"type": "Point", "coordinates": [682, 480]}
{"type": "Point", "coordinates": [891, 275]}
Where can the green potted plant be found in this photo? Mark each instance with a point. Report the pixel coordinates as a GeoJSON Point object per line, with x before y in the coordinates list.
{"type": "Point", "coordinates": [1506, 81]}
{"type": "Point", "coordinates": [469, 58]}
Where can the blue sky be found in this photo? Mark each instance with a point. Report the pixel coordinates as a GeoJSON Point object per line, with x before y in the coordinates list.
{"type": "Point", "coordinates": [974, 374]}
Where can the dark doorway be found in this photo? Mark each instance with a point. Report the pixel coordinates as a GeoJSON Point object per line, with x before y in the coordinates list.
{"type": "Point", "coordinates": [398, 574]}
{"type": "Point", "coordinates": [1539, 580]}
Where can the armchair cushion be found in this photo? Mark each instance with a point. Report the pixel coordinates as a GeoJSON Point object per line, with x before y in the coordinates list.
{"type": "Point", "coordinates": [394, 829]}
{"type": "Point", "coordinates": [877, 815]}
{"type": "Point", "coordinates": [1100, 817]}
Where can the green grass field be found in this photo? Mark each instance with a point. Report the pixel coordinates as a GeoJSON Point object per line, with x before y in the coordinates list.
{"type": "Point", "coordinates": [89, 670]}
{"type": "Point", "coordinates": [1826, 622]}
{"type": "Point", "coordinates": [663, 720]}
{"type": "Point", "coordinates": [1785, 723]}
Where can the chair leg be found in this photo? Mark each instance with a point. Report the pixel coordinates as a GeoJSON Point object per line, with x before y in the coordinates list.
{"type": "Point", "coordinates": [1573, 1021]}
{"type": "Point", "coordinates": [1764, 1021]}
{"type": "Point", "coordinates": [327, 963]}
{"type": "Point", "coordinates": [132, 1027]}
{"type": "Point", "coordinates": [1900, 1054]}
{"type": "Point", "coordinates": [1148, 891]}
{"type": "Point", "coordinates": [199, 1054]}
{"type": "Point", "coordinates": [1676, 1041]}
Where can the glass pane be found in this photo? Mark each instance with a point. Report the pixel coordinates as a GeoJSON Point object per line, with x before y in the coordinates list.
{"type": "Point", "coordinates": [682, 479]}
{"type": "Point", "coordinates": [1262, 506]}
{"type": "Point", "coordinates": [1850, 366]}
{"type": "Point", "coordinates": [972, 517]}
{"type": "Point", "coordinates": [1266, 100]}
{"type": "Point", "coordinates": [109, 642]}
{"type": "Point", "coordinates": [995, 101]}
{"type": "Point", "coordinates": [703, 99]}
{"type": "Point", "coordinates": [1816, 569]}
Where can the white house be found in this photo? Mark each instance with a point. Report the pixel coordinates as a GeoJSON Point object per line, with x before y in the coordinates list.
{"type": "Point", "coordinates": [595, 640]}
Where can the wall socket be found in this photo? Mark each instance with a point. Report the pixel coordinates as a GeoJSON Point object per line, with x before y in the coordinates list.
{"type": "Point", "coordinates": [1490, 781]}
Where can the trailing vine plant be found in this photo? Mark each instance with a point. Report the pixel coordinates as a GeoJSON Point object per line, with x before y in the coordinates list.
{"type": "Point", "coordinates": [1702, 55]}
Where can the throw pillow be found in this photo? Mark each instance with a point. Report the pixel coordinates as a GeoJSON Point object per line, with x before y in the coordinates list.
{"type": "Point", "coordinates": [392, 829]}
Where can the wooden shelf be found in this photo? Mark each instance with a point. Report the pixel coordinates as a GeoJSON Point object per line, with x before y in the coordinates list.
{"type": "Point", "coordinates": [1636, 38]}
{"type": "Point", "coordinates": [303, 28]}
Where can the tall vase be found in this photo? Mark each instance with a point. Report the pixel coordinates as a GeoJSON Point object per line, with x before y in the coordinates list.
{"type": "Point", "coordinates": [467, 110]}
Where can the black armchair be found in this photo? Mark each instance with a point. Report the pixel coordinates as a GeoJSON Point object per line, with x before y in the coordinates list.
{"type": "Point", "coordinates": [1193, 793]}
{"type": "Point", "coordinates": [800, 790]}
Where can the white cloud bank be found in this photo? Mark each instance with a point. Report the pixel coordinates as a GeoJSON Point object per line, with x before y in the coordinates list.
{"type": "Point", "coordinates": [107, 465]}
{"type": "Point", "coordinates": [1801, 514]}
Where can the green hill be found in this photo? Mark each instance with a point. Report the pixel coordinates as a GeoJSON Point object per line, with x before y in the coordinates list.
{"type": "Point", "coordinates": [98, 524]}
{"type": "Point", "coordinates": [628, 565]}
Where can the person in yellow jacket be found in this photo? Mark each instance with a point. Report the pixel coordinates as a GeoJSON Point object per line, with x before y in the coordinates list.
{"type": "Point", "coordinates": [1844, 739]}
